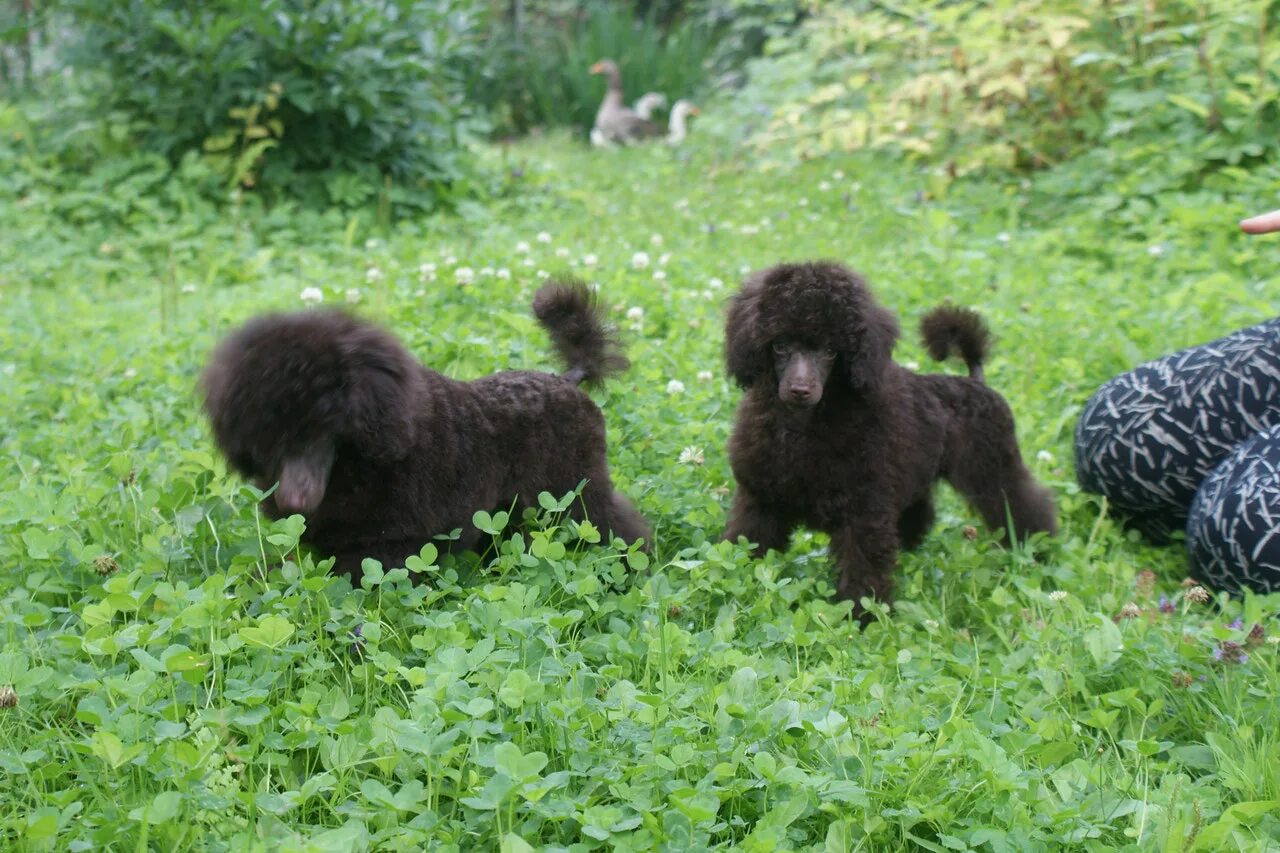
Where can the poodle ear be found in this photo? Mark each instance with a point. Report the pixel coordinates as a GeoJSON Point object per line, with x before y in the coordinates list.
{"type": "Point", "coordinates": [382, 398]}
{"type": "Point", "coordinates": [872, 348]}
{"type": "Point", "coordinates": [746, 354]}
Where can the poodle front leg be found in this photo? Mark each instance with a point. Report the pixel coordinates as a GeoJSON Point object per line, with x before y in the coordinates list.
{"type": "Point", "coordinates": [761, 527]}
{"type": "Point", "coordinates": [866, 555]}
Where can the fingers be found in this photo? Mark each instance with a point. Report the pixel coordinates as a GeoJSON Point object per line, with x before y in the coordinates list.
{"type": "Point", "coordinates": [1263, 224]}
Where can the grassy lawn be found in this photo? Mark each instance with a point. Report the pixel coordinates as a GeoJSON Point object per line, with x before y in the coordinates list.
{"type": "Point", "coordinates": [179, 688]}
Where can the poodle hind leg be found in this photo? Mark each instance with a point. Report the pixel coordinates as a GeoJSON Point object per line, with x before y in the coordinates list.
{"type": "Point", "coordinates": [916, 521]}
{"type": "Point", "coordinates": [611, 512]}
{"type": "Point", "coordinates": [1002, 490]}
{"type": "Point", "coordinates": [761, 527]}
{"type": "Point", "coordinates": [626, 522]}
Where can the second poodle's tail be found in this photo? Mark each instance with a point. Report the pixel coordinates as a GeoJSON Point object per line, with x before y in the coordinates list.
{"type": "Point", "coordinates": [569, 313]}
{"type": "Point", "coordinates": [948, 330]}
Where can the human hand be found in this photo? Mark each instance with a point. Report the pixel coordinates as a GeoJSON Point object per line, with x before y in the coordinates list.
{"type": "Point", "coordinates": [1263, 224]}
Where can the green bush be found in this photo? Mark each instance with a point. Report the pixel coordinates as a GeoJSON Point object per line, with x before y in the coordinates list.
{"type": "Point", "coordinates": [294, 87]}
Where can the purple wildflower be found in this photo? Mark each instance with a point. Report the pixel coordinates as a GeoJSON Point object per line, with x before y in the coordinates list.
{"type": "Point", "coordinates": [1236, 624]}
{"type": "Point", "coordinates": [1230, 652]}
{"type": "Point", "coordinates": [357, 635]}
{"type": "Point", "coordinates": [1166, 606]}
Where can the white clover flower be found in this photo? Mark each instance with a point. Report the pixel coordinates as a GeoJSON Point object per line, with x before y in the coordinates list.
{"type": "Point", "coordinates": [373, 275]}
{"type": "Point", "coordinates": [311, 295]}
{"type": "Point", "coordinates": [130, 372]}
{"type": "Point", "coordinates": [450, 260]}
{"type": "Point", "coordinates": [522, 248]}
{"type": "Point", "coordinates": [464, 276]}
{"type": "Point", "coordinates": [189, 287]}
{"type": "Point", "coordinates": [837, 175]}
{"type": "Point", "coordinates": [930, 625]}
{"type": "Point", "coordinates": [823, 186]}
{"type": "Point", "coordinates": [635, 312]}
{"type": "Point", "coordinates": [744, 269]}
{"type": "Point", "coordinates": [543, 237]}
{"type": "Point", "coordinates": [562, 252]}
{"type": "Point", "coordinates": [704, 375]}
{"type": "Point", "coordinates": [715, 284]}
{"type": "Point", "coordinates": [639, 260]}
{"type": "Point", "coordinates": [1003, 238]}
{"type": "Point", "coordinates": [371, 243]}
{"type": "Point", "coordinates": [663, 258]}
{"type": "Point", "coordinates": [503, 273]}
{"type": "Point", "coordinates": [655, 240]}
{"type": "Point", "coordinates": [675, 386]}
{"type": "Point", "coordinates": [804, 202]}
{"type": "Point", "coordinates": [1155, 250]}
{"type": "Point", "coordinates": [691, 456]}
{"type": "Point", "coordinates": [10, 369]}
{"type": "Point", "coordinates": [527, 262]}
{"type": "Point", "coordinates": [419, 293]}
{"type": "Point", "coordinates": [427, 272]}
{"type": "Point", "coordinates": [1058, 596]}
{"type": "Point", "coordinates": [486, 272]}
{"type": "Point", "coordinates": [589, 260]}
{"type": "Point", "coordinates": [353, 295]}
{"type": "Point", "coordinates": [1130, 611]}
{"type": "Point", "coordinates": [707, 295]}
{"type": "Point", "coordinates": [681, 204]}
{"type": "Point", "coordinates": [659, 275]}
{"type": "Point", "coordinates": [541, 274]}
{"type": "Point", "coordinates": [911, 365]}
{"type": "Point", "coordinates": [1045, 456]}
{"type": "Point", "coordinates": [749, 230]}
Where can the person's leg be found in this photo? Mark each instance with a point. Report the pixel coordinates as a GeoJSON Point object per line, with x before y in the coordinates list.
{"type": "Point", "coordinates": [1147, 438]}
{"type": "Point", "coordinates": [1233, 533]}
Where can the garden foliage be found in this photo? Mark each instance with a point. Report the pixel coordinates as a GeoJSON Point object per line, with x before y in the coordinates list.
{"type": "Point", "coordinates": [289, 89]}
{"type": "Point", "coordinates": [1179, 88]}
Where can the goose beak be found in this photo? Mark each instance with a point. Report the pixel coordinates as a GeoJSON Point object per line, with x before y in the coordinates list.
{"type": "Point", "coordinates": [694, 111]}
{"type": "Point", "coordinates": [597, 68]}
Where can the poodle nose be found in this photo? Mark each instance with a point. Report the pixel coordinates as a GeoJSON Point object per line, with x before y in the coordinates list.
{"type": "Point", "coordinates": [801, 392]}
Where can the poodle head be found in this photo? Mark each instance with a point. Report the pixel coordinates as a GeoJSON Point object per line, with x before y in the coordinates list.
{"type": "Point", "coordinates": [287, 394]}
{"type": "Point", "coordinates": [802, 326]}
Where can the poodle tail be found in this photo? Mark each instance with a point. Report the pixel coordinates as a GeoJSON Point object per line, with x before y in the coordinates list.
{"type": "Point", "coordinates": [570, 314]}
{"type": "Point", "coordinates": [948, 330]}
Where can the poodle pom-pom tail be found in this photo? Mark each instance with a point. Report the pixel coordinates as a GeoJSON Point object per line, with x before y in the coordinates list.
{"type": "Point", "coordinates": [949, 330]}
{"type": "Point", "coordinates": [569, 312]}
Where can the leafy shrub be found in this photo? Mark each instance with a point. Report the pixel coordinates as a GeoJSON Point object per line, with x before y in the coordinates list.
{"type": "Point", "coordinates": [1028, 84]}
{"type": "Point", "coordinates": [539, 75]}
{"type": "Point", "coordinates": [289, 87]}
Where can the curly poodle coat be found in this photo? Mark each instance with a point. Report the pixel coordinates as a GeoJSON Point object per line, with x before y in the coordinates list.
{"type": "Point", "coordinates": [832, 434]}
{"type": "Point", "coordinates": [381, 453]}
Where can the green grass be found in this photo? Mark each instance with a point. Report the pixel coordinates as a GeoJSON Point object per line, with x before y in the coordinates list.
{"type": "Point", "coordinates": [201, 696]}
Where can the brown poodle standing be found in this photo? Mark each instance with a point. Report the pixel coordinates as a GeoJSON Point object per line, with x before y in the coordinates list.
{"type": "Point", "coordinates": [382, 454]}
{"type": "Point", "coordinates": [832, 434]}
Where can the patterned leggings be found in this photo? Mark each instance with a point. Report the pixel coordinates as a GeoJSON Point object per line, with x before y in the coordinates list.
{"type": "Point", "coordinates": [1193, 440]}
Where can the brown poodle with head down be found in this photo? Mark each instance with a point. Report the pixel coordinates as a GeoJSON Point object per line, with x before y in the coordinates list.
{"type": "Point", "coordinates": [381, 453]}
{"type": "Point", "coordinates": [832, 434]}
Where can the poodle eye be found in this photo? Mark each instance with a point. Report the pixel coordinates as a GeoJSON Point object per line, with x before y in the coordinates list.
{"type": "Point", "coordinates": [779, 348]}
{"type": "Point", "coordinates": [829, 353]}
